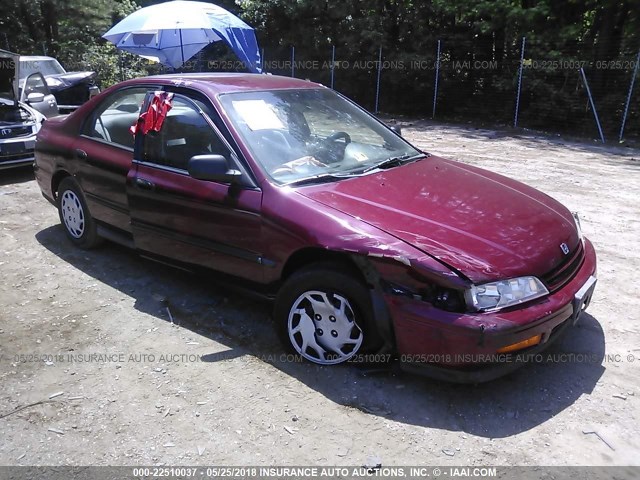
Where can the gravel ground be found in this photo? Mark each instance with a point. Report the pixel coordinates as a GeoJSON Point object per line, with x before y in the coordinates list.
{"type": "Point", "coordinates": [131, 387]}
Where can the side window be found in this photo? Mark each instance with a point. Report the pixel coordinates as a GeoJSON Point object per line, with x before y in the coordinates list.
{"type": "Point", "coordinates": [184, 134]}
{"type": "Point", "coordinates": [115, 116]}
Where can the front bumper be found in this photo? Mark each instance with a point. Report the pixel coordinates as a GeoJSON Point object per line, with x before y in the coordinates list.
{"type": "Point", "coordinates": [17, 152]}
{"type": "Point", "coordinates": [464, 347]}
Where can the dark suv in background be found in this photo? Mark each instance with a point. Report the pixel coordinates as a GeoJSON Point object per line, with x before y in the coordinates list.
{"type": "Point", "coordinates": [71, 89]}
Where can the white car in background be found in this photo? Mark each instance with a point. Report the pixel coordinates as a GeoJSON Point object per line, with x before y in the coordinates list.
{"type": "Point", "coordinates": [20, 121]}
{"type": "Point", "coordinates": [18, 128]}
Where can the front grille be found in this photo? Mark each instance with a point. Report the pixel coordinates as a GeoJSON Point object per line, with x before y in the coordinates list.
{"type": "Point", "coordinates": [563, 273]}
{"type": "Point", "coordinates": [13, 132]}
{"type": "Point", "coordinates": [18, 156]}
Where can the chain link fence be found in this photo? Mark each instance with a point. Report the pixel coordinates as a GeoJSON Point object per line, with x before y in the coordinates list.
{"type": "Point", "coordinates": [525, 85]}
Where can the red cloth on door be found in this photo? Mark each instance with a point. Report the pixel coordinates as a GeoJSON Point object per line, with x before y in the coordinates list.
{"type": "Point", "coordinates": [154, 117]}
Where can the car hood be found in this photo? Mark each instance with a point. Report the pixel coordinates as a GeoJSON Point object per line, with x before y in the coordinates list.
{"type": "Point", "coordinates": [9, 75]}
{"type": "Point", "coordinates": [482, 224]}
{"type": "Point", "coordinates": [69, 79]}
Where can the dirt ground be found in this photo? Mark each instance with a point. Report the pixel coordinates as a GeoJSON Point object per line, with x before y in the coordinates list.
{"type": "Point", "coordinates": [213, 388]}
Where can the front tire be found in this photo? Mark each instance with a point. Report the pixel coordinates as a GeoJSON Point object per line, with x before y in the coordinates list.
{"type": "Point", "coordinates": [79, 225]}
{"type": "Point", "coordinates": [323, 314]}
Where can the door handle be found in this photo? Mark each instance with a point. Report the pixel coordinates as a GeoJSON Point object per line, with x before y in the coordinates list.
{"type": "Point", "coordinates": [144, 184]}
{"type": "Point", "coordinates": [81, 154]}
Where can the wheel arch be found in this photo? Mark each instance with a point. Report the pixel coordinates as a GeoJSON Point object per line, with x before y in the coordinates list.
{"type": "Point", "coordinates": [315, 255]}
{"type": "Point", "coordinates": [56, 179]}
{"type": "Point", "coordinates": [362, 268]}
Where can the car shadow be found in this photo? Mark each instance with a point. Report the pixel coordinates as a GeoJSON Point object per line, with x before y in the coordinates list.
{"type": "Point", "coordinates": [512, 404]}
{"type": "Point", "coordinates": [16, 175]}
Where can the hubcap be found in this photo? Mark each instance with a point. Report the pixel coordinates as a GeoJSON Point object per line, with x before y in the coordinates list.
{"type": "Point", "coordinates": [322, 328]}
{"type": "Point", "coordinates": [72, 213]}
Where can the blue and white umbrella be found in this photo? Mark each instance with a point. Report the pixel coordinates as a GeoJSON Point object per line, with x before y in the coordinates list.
{"type": "Point", "coordinates": [173, 32]}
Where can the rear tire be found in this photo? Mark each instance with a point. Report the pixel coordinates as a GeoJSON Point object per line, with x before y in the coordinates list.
{"type": "Point", "coordinates": [323, 313]}
{"type": "Point", "coordinates": [79, 225]}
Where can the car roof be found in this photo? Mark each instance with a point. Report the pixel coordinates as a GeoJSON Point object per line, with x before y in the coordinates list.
{"type": "Point", "coordinates": [218, 83]}
{"type": "Point", "coordinates": [35, 58]}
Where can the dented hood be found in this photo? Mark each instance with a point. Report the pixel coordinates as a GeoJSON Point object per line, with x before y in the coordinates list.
{"type": "Point", "coordinates": [482, 224]}
{"type": "Point", "coordinates": [62, 81]}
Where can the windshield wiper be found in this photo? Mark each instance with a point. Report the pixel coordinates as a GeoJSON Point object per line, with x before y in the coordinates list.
{"type": "Point", "coordinates": [391, 161]}
{"type": "Point", "coordinates": [329, 177]}
{"type": "Point", "coordinates": [323, 177]}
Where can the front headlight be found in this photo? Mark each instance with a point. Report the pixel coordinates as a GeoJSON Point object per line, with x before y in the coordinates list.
{"type": "Point", "coordinates": [54, 82]}
{"type": "Point", "coordinates": [505, 293]}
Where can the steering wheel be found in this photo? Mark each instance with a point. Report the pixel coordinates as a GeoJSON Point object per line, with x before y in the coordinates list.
{"type": "Point", "coordinates": [331, 149]}
{"type": "Point", "coordinates": [334, 137]}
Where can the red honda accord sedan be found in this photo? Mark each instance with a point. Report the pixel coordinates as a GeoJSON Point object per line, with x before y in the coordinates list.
{"type": "Point", "coordinates": [370, 248]}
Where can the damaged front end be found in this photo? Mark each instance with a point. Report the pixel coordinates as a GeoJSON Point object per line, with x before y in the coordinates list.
{"type": "Point", "coordinates": [438, 332]}
{"type": "Point", "coordinates": [72, 89]}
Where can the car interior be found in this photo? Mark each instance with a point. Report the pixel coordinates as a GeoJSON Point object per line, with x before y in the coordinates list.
{"type": "Point", "coordinates": [183, 135]}
{"type": "Point", "coordinates": [113, 126]}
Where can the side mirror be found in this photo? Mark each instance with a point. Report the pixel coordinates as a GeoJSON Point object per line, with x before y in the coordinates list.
{"type": "Point", "coordinates": [35, 97]}
{"type": "Point", "coordinates": [396, 129]}
{"type": "Point", "coordinates": [212, 168]}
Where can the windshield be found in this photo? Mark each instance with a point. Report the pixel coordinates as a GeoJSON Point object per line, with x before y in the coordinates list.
{"type": "Point", "coordinates": [45, 67]}
{"type": "Point", "coordinates": [301, 134]}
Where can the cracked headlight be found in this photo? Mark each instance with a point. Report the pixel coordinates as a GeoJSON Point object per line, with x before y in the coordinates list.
{"type": "Point", "coordinates": [505, 293]}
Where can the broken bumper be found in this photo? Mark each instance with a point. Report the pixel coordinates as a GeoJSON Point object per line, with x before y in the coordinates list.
{"type": "Point", "coordinates": [465, 347]}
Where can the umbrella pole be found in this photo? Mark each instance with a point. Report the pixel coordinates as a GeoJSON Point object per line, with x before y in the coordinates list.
{"type": "Point", "coordinates": [181, 49]}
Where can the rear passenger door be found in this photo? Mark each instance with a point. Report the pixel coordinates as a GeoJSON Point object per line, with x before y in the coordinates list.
{"type": "Point", "coordinates": [104, 152]}
{"type": "Point", "coordinates": [210, 224]}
